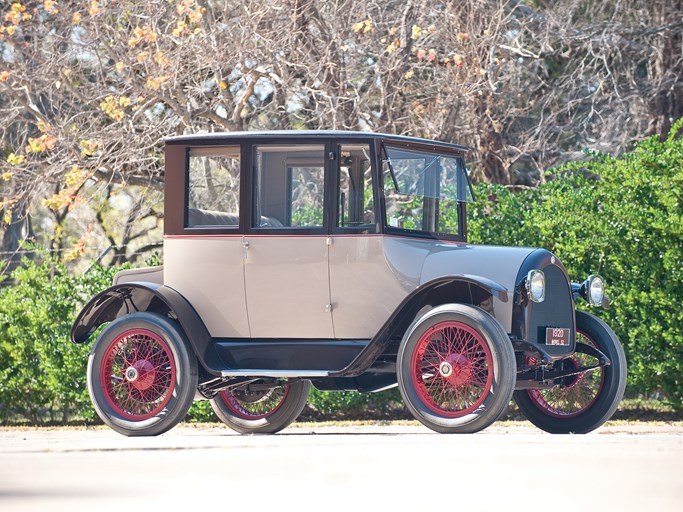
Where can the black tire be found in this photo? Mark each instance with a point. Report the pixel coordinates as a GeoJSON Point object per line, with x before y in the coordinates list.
{"type": "Point", "coordinates": [456, 369]}
{"type": "Point", "coordinates": [583, 403]}
{"type": "Point", "coordinates": [142, 374]}
{"type": "Point", "coordinates": [265, 411]}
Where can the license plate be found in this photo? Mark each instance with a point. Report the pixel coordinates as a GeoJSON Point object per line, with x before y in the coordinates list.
{"type": "Point", "coordinates": [555, 336]}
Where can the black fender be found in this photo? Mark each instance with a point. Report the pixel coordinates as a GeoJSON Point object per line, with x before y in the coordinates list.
{"type": "Point", "coordinates": [457, 289]}
{"type": "Point", "coordinates": [122, 299]}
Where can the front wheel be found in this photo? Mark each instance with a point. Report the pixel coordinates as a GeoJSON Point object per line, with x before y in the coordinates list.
{"type": "Point", "coordinates": [142, 374]}
{"type": "Point", "coordinates": [456, 369]}
{"type": "Point", "coordinates": [261, 407]}
{"type": "Point", "coordinates": [580, 403]}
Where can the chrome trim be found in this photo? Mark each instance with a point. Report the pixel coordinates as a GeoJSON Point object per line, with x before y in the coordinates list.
{"type": "Point", "coordinates": [275, 373]}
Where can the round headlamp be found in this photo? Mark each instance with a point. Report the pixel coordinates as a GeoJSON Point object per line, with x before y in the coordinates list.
{"type": "Point", "coordinates": [595, 290]}
{"type": "Point", "coordinates": [535, 285]}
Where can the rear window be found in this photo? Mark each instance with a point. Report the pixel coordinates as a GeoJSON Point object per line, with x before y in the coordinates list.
{"type": "Point", "coordinates": [213, 197]}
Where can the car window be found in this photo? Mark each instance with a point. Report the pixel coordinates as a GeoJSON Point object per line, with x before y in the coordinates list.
{"type": "Point", "coordinates": [422, 190]}
{"type": "Point", "coordinates": [213, 197]}
{"type": "Point", "coordinates": [289, 186]}
{"type": "Point", "coordinates": [354, 197]}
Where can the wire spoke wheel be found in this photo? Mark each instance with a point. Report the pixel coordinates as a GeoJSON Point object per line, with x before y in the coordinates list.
{"type": "Point", "coordinates": [138, 374]}
{"type": "Point", "coordinates": [261, 407]}
{"type": "Point", "coordinates": [142, 374]}
{"type": "Point", "coordinates": [456, 369]}
{"type": "Point", "coordinates": [576, 393]}
{"type": "Point", "coordinates": [254, 405]}
{"type": "Point", "coordinates": [583, 402]}
{"type": "Point", "coordinates": [452, 369]}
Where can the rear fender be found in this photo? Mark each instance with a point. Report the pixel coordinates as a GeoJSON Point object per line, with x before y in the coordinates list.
{"type": "Point", "coordinates": [123, 299]}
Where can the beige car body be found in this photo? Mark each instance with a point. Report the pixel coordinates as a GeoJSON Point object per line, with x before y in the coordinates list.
{"type": "Point", "coordinates": [309, 287]}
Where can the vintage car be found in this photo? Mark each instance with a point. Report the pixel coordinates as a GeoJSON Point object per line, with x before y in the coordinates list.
{"type": "Point", "coordinates": [340, 259]}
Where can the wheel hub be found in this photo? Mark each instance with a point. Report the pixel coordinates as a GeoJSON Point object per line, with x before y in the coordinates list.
{"type": "Point", "coordinates": [570, 381]}
{"type": "Point", "coordinates": [131, 374]}
{"type": "Point", "coordinates": [445, 369]}
{"type": "Point", "coordinates": [251, 396]}
{"type": "Point", "coordinates": [456, 369]}
{"type": "Point", "coordinates": [140, 374]}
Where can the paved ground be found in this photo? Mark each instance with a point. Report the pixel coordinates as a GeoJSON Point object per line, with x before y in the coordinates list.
{"type": "Point", "coordinates": [343, 468]}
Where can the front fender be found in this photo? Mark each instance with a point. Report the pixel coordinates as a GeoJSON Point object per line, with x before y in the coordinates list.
{"type": "Point", "coordinates": [457, 289]}
{"type": "Point", "coordinates": [122, 299]}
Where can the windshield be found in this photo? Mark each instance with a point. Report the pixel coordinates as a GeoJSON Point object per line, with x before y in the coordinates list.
{"type": "Point", "coordinates": [422, 190]}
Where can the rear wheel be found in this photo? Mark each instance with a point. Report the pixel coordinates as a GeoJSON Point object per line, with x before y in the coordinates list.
{"type": "Point", "coordinates": [260, 408]}
{"type": "Point", "coordinates": [142, 374]}
{"type": "Point", "coordinates": [580, 403]}
{"type": "Point", "coordinates": [456, 369]}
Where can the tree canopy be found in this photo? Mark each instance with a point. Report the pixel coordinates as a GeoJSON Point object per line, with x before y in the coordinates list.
{"type": "Point", "coordinates": [88, 90]}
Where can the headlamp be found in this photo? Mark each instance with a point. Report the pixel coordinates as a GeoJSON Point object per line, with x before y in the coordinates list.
{"type": "Point", "coordinates": [535, 285]}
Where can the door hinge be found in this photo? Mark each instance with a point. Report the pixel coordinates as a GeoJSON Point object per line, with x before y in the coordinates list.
{"type": "Point", "coordinates": [329, 240]}
{"type": "Point", "coordinates": [331, 155]}
{"type": "Point", "coordinates": [328, 308]}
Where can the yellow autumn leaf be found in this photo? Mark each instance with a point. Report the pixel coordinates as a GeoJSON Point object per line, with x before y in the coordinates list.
{"type": "Point", "coordinates": [50, 7]}
{"type": "Point", "coordinates": [223, 85]}
{"type": "Point", "coordinates": [161, 59]}
{"type": "Point", "coordinates": [88, 147]}
{"type": "Point", "coordinates": [13, 159]}
{"type": "Point", "coordinates": [43, 143]}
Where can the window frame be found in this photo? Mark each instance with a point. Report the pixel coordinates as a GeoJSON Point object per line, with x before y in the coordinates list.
{"type": "Point", "coordinates": [210, 228]}
{"type": "Point", "coordinates": [249, 172]}
{"type": "Point", "coordinates": [176, 186]}
{"type": "Point", "coordinates": [382, 144]}
{"type": "Point", "coordinates": [351, 230]}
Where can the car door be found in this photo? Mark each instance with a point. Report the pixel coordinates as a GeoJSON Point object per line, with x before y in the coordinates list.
{"type": "Point", "coordinates": [363, 287]}
{"type": "Point", "coordinates": [286, 245]}
{"type": "Point", "coordinates": [203, 258]}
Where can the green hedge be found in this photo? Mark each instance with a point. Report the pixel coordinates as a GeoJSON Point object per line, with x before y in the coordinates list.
{"type": "Point", "coordinates": [42, 374]}
{"type": "Point", "coordinates": [620, 217]}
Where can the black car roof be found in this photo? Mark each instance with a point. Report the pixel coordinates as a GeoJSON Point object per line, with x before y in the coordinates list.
{"type": "Point", "coordinates": [218, 137]}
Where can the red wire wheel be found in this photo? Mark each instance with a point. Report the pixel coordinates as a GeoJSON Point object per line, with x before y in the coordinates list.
{"type": "Point", "coordinates": [138, 374]}
{"type": "Point", "coordinates": [254, 405]}
{"type": "Point", "coordinates": [452, 369]}
{"type": "Point", "coordinates": [576, 393]}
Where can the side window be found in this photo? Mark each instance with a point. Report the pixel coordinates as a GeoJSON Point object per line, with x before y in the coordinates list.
{"type": "Point", "coordinates": [213, 196]}
{"type": "Point", "coordinates": [422, 190]}
{"type": "Point", "coordinates": [404, 190]}
{"type": "Point", "coordinates": [355, 198]}
{"type": "Point", "coordinates": [289, 186]}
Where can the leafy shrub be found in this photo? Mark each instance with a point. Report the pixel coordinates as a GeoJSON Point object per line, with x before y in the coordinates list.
{"type": "Point", "coordinates": [42, 374]}
{"type": "Point", "coordinates": [620, 217]}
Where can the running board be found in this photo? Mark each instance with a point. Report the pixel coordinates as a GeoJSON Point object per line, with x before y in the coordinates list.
{"type": "Point", "coordinates": [306, 374]}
